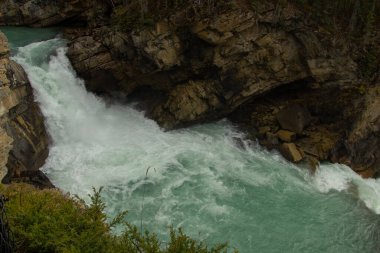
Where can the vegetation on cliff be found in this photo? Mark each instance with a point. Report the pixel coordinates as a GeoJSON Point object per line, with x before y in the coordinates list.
{"type": "Point", "coordinates": [48, 221]}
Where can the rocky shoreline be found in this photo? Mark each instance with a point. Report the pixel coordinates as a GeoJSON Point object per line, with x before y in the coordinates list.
{"type": "Point", "coordinates": [274, 72]}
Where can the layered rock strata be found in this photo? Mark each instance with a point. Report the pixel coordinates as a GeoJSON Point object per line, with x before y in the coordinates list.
{"type": "Point", "coordinates": [23, 138]}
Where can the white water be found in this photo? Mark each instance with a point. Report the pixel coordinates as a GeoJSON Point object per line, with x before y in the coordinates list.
{"type": "Point", "coordinates": [199, 178]}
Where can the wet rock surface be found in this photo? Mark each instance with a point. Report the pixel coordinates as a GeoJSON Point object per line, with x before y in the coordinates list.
{"type": "Point", "coordinates": [23, 138]}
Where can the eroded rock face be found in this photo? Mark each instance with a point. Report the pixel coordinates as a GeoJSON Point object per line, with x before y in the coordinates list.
{"type": "Point", "coordinates": [243, 55]}
{"type": "Point", "coordinates": [361, 148]}
{"type": "Point", "coordinates": [192, 101]}
{"type": "Point", "coordinates": [251, 60]}
{"type": "Point", "coordinates": [23, 138]}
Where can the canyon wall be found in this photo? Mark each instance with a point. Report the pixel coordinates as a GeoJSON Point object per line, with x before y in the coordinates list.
{"type": "Point", "coordinates": [23, 138]}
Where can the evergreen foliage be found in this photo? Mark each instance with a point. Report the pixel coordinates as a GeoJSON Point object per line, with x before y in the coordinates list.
{"type": "Point", "coordinates": [46, 221]}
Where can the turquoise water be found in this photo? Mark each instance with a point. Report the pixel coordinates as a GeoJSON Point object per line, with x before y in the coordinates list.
{"type": "Point", "coordinates": [199, 178]}
{"type": "Point", "coordinates": [21, 36]}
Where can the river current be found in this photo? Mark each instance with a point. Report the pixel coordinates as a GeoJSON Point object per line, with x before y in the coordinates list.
{"type": "Point", "coordinates": [196, 178]}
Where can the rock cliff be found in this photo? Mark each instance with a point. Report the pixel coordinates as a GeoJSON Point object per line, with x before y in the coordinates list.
{"type": "Point", "coordinates": [23, 138]}
{"type": "Point", "coordinates": [209, 69]}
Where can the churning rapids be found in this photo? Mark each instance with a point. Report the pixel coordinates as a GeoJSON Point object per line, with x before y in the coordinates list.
{"type": "Point", "coordinates": [199, 179]}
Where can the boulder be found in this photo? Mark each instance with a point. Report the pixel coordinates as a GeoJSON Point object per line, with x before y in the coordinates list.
{"type": "Point", "coordinates": [286, 136]}
{"type": "Point", "coordinates": [294, 118]}
{"type": "Point", "coordinates": [291, 152]}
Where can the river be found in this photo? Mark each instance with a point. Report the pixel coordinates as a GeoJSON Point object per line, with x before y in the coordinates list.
{"type": "Point", "coordinates": [197, 178]}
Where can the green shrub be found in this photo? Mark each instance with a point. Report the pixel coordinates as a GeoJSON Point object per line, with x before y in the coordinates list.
{"type": "Point", "coordinates": [48, 221]}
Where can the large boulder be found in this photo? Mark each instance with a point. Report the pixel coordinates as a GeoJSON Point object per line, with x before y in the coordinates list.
{"type": "Point", "coordinates": [291, 152]}
{"type": "Point", "coordinates": [294, 118]}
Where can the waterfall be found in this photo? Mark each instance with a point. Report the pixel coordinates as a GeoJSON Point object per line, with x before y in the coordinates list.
{"type": "Point", "coordinates": [198, 177]}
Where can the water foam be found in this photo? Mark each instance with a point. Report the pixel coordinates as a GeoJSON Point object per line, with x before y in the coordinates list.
{"type": "Point", "coordinates": [341, 178]}
{"type": "Point", "coordinates": [199, 178]}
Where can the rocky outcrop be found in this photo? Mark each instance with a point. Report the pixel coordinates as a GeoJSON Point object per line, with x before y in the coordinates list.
{"type": "Point", "coordinates": [190, 102]}
{"type": "Point", "coordinates": [224, 62]}
{"type": "Point", "coordinates": [344, 129]}
{"type": "Point", "coordinates": [23, 138]}
{"type": "Point", "coordinates": [361, 148]}
{"type": "Point", "coordinates": [294, 118]}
